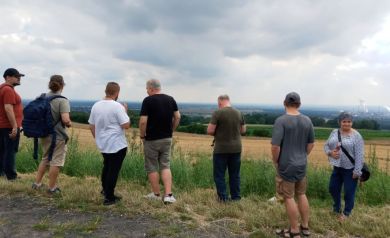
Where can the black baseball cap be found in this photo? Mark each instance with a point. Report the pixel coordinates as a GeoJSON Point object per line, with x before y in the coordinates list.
{"type": "Point", "coordinates": [12, 72]}
{"type": "Point", "coordinates": [292, 98]}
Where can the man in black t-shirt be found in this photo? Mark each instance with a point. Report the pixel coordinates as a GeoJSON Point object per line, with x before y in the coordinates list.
{"type": "Point", "coordinates": [159, 118]}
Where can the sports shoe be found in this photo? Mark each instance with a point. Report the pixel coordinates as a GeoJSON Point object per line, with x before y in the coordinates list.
{"type": "Point", "coordinates": [108, 202]}
{"type": "Point", "coordinates": [36, 186]}
{"type": "Point", "coordinates": [168, 199]}
{"type": "Point", "coordinates": [55, 191]}
{"type": "Point", "coordinates": [111, 201]}
{"type": "Point", "coordinates": [153, 196]}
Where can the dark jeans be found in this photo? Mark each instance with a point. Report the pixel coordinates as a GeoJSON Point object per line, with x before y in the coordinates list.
{"type": "Point", "coordinates": [339, 177]}
{"type": "Point", "coordinates": [111, 166]}
{"type": "Point", "coordinates": [8, 149]}
{"type": "Point", "coordinates": [232, 162]}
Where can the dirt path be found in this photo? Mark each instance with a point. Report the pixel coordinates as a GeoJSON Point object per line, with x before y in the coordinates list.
{"type": "Point", "coordinates": [27, 217]}
{"type": "Point", "coordinates": [30, 217]}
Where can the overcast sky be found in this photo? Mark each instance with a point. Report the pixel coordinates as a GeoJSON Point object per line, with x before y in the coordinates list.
{"type": "Point", "coordinates": [332, 52]}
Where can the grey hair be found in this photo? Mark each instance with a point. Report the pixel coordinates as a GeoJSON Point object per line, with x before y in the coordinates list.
{"type": "Point", "coordinates": [153, 83]}
{"type": "Point", "coordinates": [223, 97]}
{"type": "Point", "coordinates": [344, 116]}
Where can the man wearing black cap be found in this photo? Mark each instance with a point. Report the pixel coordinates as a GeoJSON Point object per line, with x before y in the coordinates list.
{"type": "Point", "coordinates": [292, 141]}
{"type": "Point", "coordinates": [11, 115]}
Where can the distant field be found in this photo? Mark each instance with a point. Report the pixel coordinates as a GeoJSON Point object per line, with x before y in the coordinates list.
{"type": "Point", "coordinates": [254, 148]}
{"type": "Point", "coordinates": [323, 133]}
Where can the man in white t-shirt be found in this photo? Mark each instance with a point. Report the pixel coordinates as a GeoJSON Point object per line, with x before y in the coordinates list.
{"type": "Point", "coordinates": [108, 121]}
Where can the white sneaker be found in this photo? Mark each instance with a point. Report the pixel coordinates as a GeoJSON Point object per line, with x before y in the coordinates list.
{"type": "Point", "coordinates": [169, 199]}
{"type": "Point", "coordinates": [273, 199]}
{"type": "Point", "coordinates": [152, 196]}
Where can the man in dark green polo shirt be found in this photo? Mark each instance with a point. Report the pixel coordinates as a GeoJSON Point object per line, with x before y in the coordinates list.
{"type": "Point", "coordinates": [227, 125]}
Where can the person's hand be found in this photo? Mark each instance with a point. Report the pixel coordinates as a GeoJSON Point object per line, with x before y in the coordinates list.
{"type": "Point", "coordinates": [361, 183]}
{"type": "Point", "coordinates": [335, 154]}
{"type": "Point", "coordinates": [355, 176]}
{"type": "Point", "coordinates": [13, 133]}
{"type": "Point", "coordinates": [125, 106]}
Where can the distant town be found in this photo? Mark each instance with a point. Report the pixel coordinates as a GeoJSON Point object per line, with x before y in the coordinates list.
{"type": "Point", "coordinates": [380, 114]}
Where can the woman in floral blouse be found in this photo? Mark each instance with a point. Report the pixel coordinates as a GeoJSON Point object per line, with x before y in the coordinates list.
{"type": "Point", "coordinates": [344, 171]}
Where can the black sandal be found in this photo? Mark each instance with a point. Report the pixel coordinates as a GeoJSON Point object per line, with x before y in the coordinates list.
{"type": "Point", "coordinates": [282, 232]}
{"type": "Point", "coordinates": [304, 230]}
{"type": "Point", "coordinates": [286, 233]}
{"type": "Point", "coordinates": [292, 235]}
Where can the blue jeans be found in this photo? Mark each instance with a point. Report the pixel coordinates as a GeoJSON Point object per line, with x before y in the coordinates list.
{"type": "Point", "coordinates": [8, 149]}
{"type": "Point", "coordinates": [339, 177]}
{"type": "Point", "coordinates": [232, 162]}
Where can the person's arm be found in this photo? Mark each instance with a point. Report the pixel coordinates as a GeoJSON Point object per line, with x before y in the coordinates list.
{"type": "Point", "coordinates": [92, 128]}
{"type": "Point", "coordinates": [122, 117]}
{"type": "Point", "coordinates": [143, 120]}
{"type": "Point", "coordinates": [358, 156]}
{"type": "Point", "coordinates": [65, 118]}
{"type": "Point", "coordinates": [211, 129]}
{"type": "Point", "coordinates": [176, 120]}
{"type": "Point", "coordinates": [276, 141]}
{"type": "Point", "coordinates": [275, 150]}
{"type": "Point", "coordinates": [309, 148]}
{"type": "Point", "coordinates": [125, 125]}
{"type": "Point", "coordinates": [334, 153]}
{"type": "Point", "coordinates": [243, 129]}
{"type": "Point", "coordinates": [9, 110]}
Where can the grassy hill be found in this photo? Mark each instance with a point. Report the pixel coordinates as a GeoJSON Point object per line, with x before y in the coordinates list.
{"type": "Point", "coordinates": [197, 207]}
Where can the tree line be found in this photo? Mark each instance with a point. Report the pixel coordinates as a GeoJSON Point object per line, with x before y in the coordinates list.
{"type": "Point", "coordinates": [198, 124]}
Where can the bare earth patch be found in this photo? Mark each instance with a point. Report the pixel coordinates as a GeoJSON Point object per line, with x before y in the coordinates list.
{"type": "Point", "coordinates": [28, 217]}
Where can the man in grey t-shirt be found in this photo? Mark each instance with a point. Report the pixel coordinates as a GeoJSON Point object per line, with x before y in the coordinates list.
{"type": "Point", "coordinates": [292, 141]}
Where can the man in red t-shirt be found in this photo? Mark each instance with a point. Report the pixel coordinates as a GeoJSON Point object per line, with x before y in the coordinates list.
{"type": "Point", "coordinates": [11, 115]}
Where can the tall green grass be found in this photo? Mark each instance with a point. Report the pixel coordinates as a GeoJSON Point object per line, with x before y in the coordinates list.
{"type": "Point", "coordinates": [191, 172]}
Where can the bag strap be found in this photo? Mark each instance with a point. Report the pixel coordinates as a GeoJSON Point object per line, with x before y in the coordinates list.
{"type": "Point", "coordinates": [50, 98]}
{"type": "Point", "coordinates": [344, 150]}
{"type": "Point", "coordinates": [54, 135]}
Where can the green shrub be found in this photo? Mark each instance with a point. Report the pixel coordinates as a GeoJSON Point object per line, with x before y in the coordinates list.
{"type": "Point", "coordinates": [195, 128]}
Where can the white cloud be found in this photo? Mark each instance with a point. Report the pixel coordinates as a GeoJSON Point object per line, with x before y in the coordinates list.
{"type": "Point", "coordinates": [331, 52]}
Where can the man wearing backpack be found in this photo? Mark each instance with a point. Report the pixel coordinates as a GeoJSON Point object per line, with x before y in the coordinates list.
{"type": "Point", "coordinates": [11, 115]}
{"type": "Point", "coordinates": [60, 109]}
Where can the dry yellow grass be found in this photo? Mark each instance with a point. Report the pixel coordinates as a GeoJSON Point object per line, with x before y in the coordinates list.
{"type": "Point", "coordinates": [253, 147]}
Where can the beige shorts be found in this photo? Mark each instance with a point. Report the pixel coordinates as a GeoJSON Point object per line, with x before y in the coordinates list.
{"type": "Point", "coordinates": [157, 153]}
{"type": "Point", "coordinates": [288, 189]}
{"type": "Point", "coordinates": [59, 152]}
